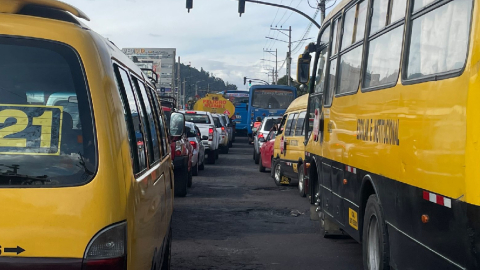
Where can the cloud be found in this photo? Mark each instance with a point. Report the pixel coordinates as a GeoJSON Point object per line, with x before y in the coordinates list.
{"type": "Point", "coordinates": [211, 36]}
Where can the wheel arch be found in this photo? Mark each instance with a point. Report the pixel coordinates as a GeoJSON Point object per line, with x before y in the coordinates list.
{"type": "Point", "coordinates": [368, 188]}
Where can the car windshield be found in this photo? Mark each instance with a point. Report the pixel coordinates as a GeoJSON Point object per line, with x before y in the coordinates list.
{"type": "Point", "coordinates": [197, 118]}
{"type": "Point", "coordinates": [45, 117]}
{"type": "Point", "coordinates": [272, 98]}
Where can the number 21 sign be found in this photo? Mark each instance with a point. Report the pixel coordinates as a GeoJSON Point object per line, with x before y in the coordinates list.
{"type": "Point", "coordinates": [30, 129]}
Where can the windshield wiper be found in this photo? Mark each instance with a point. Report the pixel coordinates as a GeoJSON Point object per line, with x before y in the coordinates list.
{"type": "Point", "coordinates": [9, 178]}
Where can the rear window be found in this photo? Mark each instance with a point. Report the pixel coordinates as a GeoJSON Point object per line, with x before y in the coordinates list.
{"type": "Point", "coordinates": [46, 127]}
{"type": "Point", "coordinates": [190, 131]}
{"type": "Point", "coordinates": [197, 118]}
{"type": "Point", "coordinates": [270, 122]}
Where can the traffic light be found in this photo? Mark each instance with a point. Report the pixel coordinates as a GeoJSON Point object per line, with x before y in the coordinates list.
{"type": "Point", "coordinates": [244, 80]}
{"type": "Point", "coordinates": [250, 83]}
{"type": "Point", "coordinates": [241, 7]}
{"type": "Point", "coordinates": [189, 5]}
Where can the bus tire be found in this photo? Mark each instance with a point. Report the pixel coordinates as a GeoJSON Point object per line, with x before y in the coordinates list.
{"type": "Point", "coordinates": [167, 256]}
{"type": "Point", "coordinates": [375, 237]}
{"type": "Point", "coordinates": [301, 182]}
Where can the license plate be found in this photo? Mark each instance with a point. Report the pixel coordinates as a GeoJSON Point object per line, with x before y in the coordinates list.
{"type": "Point", "coordinates": [238, 116]}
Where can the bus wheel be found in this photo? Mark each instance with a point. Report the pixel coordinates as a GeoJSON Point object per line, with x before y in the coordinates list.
{"type": "Point", "coordinates": [277, 173]}
{"type": "Point", "coordinates": [301, 182]}
{"type": "Point", "coordinates": [375, 238]}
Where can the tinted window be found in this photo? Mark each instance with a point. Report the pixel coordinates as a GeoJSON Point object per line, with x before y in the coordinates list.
{"type": "Point", "coordinates": [439, 40]}
{"type": "Point", "coordinates": [46, 125]}
{"type": "Point", "coordinates": [190, 131]}
{"type": "Point", "coordinates": [272, 98]}
{"type": "Point", "coordinates": [384, 58]}
{"type": "Point", "coordinates": [137, 145]}
{"type": "Point", "coordinates": [349, 74]}
{"type": "Point", "coordinates": [197, 118]}
{"type": "Point", "coordinates": [150, 120]}
{"type": "Point", "coordinates": [216, 121]}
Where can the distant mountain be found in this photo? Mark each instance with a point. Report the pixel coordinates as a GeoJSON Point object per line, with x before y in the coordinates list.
{"type": "Point", "coordinates": [205, 81]}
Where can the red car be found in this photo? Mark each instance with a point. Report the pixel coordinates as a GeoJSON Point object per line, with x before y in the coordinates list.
{"type": "Point", "coordinates": [266, 151]}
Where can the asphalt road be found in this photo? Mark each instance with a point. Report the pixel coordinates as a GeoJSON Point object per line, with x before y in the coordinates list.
{"type": "Point", "coordinates": [235, 217]}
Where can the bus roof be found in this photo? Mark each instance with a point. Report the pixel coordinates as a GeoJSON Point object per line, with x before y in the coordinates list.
{"type": "Point", "coordinates": [285, 87]}
{"type": "Point", "coordinates": [336, 9]}
{"type": "Point", "coordinates": [299, 103]}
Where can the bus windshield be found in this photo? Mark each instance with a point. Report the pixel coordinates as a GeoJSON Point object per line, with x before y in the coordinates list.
{"type": "Point", "coordinates": [237, 98]}
{"type": "Point", "coordinates": [272, 98]}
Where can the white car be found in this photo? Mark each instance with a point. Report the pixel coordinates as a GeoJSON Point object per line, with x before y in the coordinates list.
{"type": "Point", "coordinates": [210, 135]}
{"type": "Point", "coordinates": [194, 137]}
{"type": "Point", "coordinates": [222, 129]}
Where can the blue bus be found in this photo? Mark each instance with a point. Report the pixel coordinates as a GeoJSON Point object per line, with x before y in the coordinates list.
{"type": "Point", "coordinates": [240, 100]}
{"type": "Point", "coordinates": [268, 100]}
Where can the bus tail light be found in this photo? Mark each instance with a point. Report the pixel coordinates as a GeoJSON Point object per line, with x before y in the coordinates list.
{"type": "Point", "coordinates": [210, 134]}
{"type": "Point", "coordinates": [107, 249]}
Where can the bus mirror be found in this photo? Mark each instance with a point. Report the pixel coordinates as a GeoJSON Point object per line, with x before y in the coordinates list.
{"type": "Point", "coordinates": [303, 68]}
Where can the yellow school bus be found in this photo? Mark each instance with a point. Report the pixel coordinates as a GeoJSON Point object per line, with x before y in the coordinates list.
{"type": "Point", "coordinates": [393, 152]}
{"type": "Point", "coordinates": [85, 166]}
{"type": "Point", "coordinates": [289, 149]}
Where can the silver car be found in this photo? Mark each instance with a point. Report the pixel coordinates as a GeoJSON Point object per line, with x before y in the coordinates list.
{"type": "Point", "coordinates": [262, 132]}
{"type": "Point", "coordinates": [195, 139]}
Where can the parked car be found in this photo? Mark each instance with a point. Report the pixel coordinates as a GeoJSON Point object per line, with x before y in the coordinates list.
{"type": "Point", "coordinates": [230, 129]}
{"type": "Point", "coordinates": [221, 128]}
{"type": "Point", "coordinates": [210, 136]}
{"type": "Point", "coordinates": [262, 131]}
{"type": "Point", "coordinates": [198, 159]}
{"type": "Point", "coordinates": [266, 152]}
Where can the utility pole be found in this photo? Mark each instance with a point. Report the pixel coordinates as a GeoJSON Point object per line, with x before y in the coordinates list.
{"type": "Point", "coordinates": [180, 90]}
{"type": "Point", "coordinates": [276, 63]}
{"type": "Point", "coordinates": [321, 6]}
{"type": "Point", "coordinates": [289, 53]}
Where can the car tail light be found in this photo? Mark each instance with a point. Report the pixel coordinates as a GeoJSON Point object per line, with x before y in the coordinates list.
{"type": "Point", "coordinates": [192, 112]}
{"type": "Point", "coordinates": [178, 153]}
{"type": "Point", "coordinates": [107, 249]}
{"type": "Point", "coordinates": [210, 134]}
{"type": "Point", "coordinates": [223, 128]}
{"type": "Point", "coordinates": [194, 144]}
{"type": "Point", "coordinates": [260, 135]}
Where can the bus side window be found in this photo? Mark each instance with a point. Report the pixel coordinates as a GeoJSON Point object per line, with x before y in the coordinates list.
{"type": "Point", "coordinates": [288, 126]}
{"type": "Point", "coordinates": [132, 119]}
{"type": "Point", "coordinates": [299, 129]}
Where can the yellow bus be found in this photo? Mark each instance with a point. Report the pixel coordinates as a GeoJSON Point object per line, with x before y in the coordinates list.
{"type": "Point", "coordinates": [86, 177]}
{"type": "Point", "coordinates": [393, 153]}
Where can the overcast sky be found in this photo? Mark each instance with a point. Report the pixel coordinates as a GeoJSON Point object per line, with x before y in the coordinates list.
{"type": "Point", "coordinates": [211, 36]}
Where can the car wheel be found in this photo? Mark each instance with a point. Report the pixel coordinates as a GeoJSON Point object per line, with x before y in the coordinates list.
{"type": "Point", "coordinates": [257, 156]}
{"type": "Point", "coordinates": [260, 165]}
{"type": "Point", "coordinates": [190, 178]}
{"type": "Point", "coordinates": [254, 153]}
{"type": "Point", "coordinates": [277, 173]}
{"type": "Point", "coordinates": [375, 238]}
{"type": "Point", "coordinates": [201, 167]}
{"type": "Point", "coordinates": [181, 183]}
{"type": "Point", "coordinates": [211, 157]}
{"type": "Point", "coordinates": [217, 153]}
{"type": "Point", "coordinates": [167, 256]}
{"type": "Point", "coordinates": [301, 181]}
{"type": "Point", "coordinates": [195, 169]}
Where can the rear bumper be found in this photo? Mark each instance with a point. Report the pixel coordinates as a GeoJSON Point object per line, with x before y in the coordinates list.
{"type": "Point", "coordinates": [22, 263]}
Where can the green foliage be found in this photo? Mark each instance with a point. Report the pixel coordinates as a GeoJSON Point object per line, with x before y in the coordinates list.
{"type": "Point", "coordinates": [205, 81]}
{"type": "Point", "coordinates": [284, 81]}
